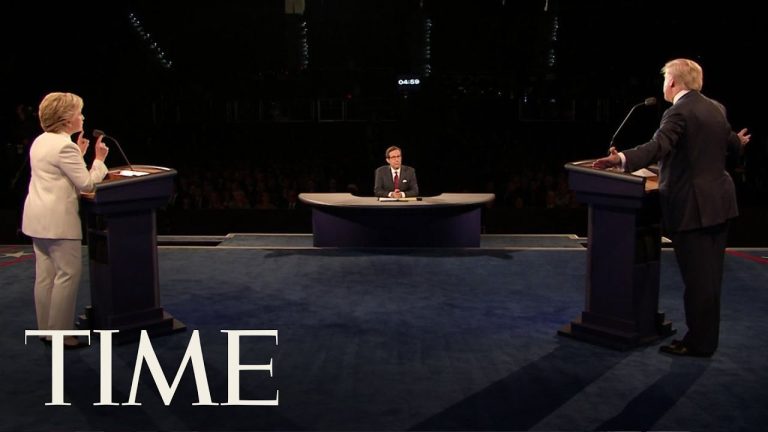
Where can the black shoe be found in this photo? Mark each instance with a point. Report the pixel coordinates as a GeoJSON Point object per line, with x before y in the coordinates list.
{"type": "Point", "coordinates": [679, 349]}
{"type": "Point", "coordinates": [78, 345]}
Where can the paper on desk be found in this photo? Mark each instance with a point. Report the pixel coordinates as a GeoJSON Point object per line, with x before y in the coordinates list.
{"type": "Point", "coordinates": [642, 172]}
{"type": "Point", "coordinates": [129, 173]}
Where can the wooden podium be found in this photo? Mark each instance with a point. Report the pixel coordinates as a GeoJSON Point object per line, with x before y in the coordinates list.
{"type": "Point", "coordinates": [624, 248]}
{"type": "Point", "coordinates": [122, 249]}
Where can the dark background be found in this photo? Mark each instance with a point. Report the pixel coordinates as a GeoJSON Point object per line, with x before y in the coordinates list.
{"type": "Point", "coordinates": [510, 90]}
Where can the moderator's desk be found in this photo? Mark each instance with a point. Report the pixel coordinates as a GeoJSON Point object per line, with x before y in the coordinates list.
{"type": "Point", "coordinates": [446, 220]}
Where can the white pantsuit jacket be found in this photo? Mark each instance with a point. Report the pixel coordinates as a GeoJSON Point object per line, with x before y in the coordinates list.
{"type": "Point", "coordinates": [59, 174]}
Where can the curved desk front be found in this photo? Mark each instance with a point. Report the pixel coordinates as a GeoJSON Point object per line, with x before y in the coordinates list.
{"type": "Point", "coordinates": [445, 220]}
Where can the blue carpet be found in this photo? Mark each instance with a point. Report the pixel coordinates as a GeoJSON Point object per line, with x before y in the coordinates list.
{"type": "Point", "coordinates": [398, 340]}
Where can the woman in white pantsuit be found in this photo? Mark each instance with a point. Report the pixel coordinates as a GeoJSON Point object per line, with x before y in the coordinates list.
{"type": "Point", "coordinates": [51, 215]}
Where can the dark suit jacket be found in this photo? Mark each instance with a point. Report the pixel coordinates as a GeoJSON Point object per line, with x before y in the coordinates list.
{"type": "Point", "coordinates": [690, 146]}
{"type": "Point", "coordinates": [383, 184]}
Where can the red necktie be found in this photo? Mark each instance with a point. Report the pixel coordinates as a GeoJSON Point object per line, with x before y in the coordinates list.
{"type": "Point", "coordinates": [396, 181]}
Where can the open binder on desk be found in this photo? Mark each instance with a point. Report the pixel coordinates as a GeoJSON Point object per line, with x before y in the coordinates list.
{"type": "Point", "coordinates": [387, 199]}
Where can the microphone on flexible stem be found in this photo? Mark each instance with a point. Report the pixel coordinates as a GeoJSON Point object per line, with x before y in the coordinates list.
{"type": "Point", "coordinates": [98, 133]}
{"type": "Point", "coordinates": [647, 102]}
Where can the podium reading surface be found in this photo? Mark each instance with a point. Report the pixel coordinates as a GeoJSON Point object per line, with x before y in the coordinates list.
{"type": "Point", "coordinates": [445, 220]}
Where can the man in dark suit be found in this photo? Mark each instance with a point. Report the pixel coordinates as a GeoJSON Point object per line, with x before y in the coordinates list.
{"type": "Point", "coordinates": [697, 195]}
{"type": "Point", "coordinates": [395, 180]}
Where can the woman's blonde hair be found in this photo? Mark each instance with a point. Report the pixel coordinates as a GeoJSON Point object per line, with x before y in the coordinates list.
{"type": "Point", "coordinates": [57, 109]}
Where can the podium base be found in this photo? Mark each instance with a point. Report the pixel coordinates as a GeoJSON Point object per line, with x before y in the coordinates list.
{"type": "Point", "coordinates": [130, 332]}
{"type": "Point", "coordinates": [615, 338]}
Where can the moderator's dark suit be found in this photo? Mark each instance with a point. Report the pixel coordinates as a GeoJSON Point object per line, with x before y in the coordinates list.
{"type": "Point", "coordinates": [383, 183]}
{"type": "Point", "coordinates": [697, 199]}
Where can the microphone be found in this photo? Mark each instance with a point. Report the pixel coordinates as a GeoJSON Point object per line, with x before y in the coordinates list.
{"type": "Point", "coordinates": [98, 133]}
{"type": "Point", "coordinates": [647, 102]}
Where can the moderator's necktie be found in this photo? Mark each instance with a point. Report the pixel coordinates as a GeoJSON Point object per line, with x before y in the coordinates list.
{"type": "Point", "coordinates": [396, 181]}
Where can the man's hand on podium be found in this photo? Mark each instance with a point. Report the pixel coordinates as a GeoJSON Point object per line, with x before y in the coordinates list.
{"type": "Point", "coordinates": [610, 161]}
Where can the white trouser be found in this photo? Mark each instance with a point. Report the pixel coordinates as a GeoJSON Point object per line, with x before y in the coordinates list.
{"type": "Point", "coordinates": [58, 268]}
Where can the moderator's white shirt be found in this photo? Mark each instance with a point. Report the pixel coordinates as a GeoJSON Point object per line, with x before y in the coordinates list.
{"type": "Point", "coordinates": [59, 174]}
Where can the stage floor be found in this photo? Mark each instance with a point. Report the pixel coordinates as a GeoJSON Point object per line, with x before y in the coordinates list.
{"type": "Point", "coordinates": [304, 241]}
{"type": "Point", "coordinates": [394, 339]}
